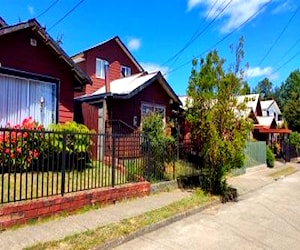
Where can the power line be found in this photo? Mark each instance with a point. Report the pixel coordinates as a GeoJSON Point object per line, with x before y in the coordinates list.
{"type": "Point", "coordinates": [282, 65]}
{"type": "Point", "coordinates": [68, 13]}
{"type": "Point", "coordinates": [221, 40]}
{"type": "Point", "coordinates": [46, 10]}
{"type": "Point", "coordinates": [279, 36]}
{"type": "Point", "coordinates": [193, 36]}
{"type": "Point", "coordinates": [286, 62]}
{"type": "Point", "coordinates": [197, 33]}
{"type": "Point", "coordinates": [288, 51]}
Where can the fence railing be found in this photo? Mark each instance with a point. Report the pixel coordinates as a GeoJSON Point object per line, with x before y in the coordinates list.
{"type": "Point", "coordinates": [36, 164]}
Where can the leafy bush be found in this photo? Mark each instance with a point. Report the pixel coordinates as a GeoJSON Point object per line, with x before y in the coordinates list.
{"type": "Point", "coordinates": [270, 157]}
{"type": "Point", "coordinates": [21, 144]}
{"type": "Point", "coordinates": [295, 140]}
{"type": "Point", "coordinates": [161, 146]}
{"type": "Point", "coordinates": [77, 138]}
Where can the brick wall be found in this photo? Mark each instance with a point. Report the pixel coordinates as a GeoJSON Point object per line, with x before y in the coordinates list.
{"type": "Point", "coordinates": [22, 212]}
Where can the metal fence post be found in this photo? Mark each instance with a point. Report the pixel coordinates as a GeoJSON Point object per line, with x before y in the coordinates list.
{"type": "Point", "coordinates": [113, 161]}
{"type": "Point", "coordinates": [148, 145]}
{"type": "Point", "coordinates": [63, 165]}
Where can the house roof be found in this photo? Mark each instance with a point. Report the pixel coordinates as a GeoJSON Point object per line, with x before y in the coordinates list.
{"type": "Point", "coordinates": [127, 87]}
{"type": "Point", "coordinates": [265, 105]}
{"type": "Point", "coordinates": [251, 100]}
{"type": "Point", "coordinates": [265, 121]}
{"type": "Point", "coordinates": [80, 56]}
{"type": "Point", "coordinates": [46, 38]}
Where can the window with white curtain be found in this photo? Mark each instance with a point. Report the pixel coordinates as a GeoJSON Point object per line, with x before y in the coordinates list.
{"type": "Point", "coordinates": [21, 98]}
{"type": "Point", "coordinates": [100, 68]}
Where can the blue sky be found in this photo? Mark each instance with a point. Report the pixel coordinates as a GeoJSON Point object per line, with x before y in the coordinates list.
{"type": "Point", "coordinates": [155, 31]}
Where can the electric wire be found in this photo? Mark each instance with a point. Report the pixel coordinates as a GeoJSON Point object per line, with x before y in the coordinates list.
{"type": "Point", "coordinates": [288, 51]}
{"type": "Point", "coordinates": [221, 40]}
{"type": "Point", "coordinates": [176, 56]}
{"type": "Point", "coordinates": [279, 36]}
{"type": "Point", "coordinates": [46, 10]}
{"type": "Point", "coordinates": [198, 34]}
{"type": "Point", "coordinates": [68, 13]}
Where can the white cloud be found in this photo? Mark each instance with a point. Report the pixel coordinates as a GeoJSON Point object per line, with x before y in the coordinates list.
{"type": "Point", "coordinates": [237, 11]}
{"type": "Point", "coordinates": [193, 3]}
{"type": "Point", "coordinates": [261, 72]}
{"type": "Point", "coordinates": [286, 6]}
{"type": "Point", "coordinates": [31, 10]}
{"type": "Point", "coordinates": [152, 67]}
{"type": "Point", "coordinates": [134, 44]}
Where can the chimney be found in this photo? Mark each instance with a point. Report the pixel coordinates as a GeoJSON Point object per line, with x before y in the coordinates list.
{"type": "Point", "coordinates": [106, 72]}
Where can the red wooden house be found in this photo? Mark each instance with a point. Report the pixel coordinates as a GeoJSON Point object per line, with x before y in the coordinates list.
{"type": "Point", "coordinates": [37, 78]}
{"type": "Point", "coordinates": [122, 92]}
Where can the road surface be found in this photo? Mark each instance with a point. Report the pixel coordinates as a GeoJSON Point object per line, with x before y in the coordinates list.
{"type": "Point", "coordinates": [268, 218]}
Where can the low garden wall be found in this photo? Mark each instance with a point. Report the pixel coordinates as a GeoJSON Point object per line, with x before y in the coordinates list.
{"type": "Point", "coordinates": [21, 212]}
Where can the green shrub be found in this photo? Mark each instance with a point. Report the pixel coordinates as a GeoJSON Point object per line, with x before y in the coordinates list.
{"type": "Point", "coordinates": [295, 140]}
{"type": "Point", "coordinates": [270, 157]}
{"type": "Point", "coordinates": [161, 146]}
{"type": "Point", "coordinates": [78, 140]}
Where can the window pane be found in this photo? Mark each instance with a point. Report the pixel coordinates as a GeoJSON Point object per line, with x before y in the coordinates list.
{"type": "Point", "coordinates": [13, 100]}
{"type": "Point", "coordinates": [125, 71]}
{"type": "Point", "coordinates": [146, 108]}
{"type": "Point", "coordinates": [21, 98]}
{"type": "Point", "coordinates": [100, 68]}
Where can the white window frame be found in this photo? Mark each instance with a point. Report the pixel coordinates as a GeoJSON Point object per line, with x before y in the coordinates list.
{"type": "Point", "coordinates": [152, 107]}
{"type": "Point", "coordinates": [41, 106]}
{"type": "Point", "coordinates": [100, 68]}
{"type": "Point", "coordinates": [125, 71]}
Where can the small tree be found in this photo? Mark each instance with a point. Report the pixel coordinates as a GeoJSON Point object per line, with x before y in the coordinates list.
{"type": "Point", "coordinates": [161, 145]}
{"type": "Point", "coordinates": [215, 117]}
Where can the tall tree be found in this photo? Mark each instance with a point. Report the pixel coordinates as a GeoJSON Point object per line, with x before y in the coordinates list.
{"type": "Point", "coordinates": [265, 89]}
{"type": "Point", "coordinates": [245, 89]}
{"type": "Point", "coordinates": [290, 98]}
{"type": "Point", "coordinates": [215, 127]}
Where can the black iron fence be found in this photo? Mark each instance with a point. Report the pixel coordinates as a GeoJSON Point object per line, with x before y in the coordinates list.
{"type": "Point", "coordinates": [37, 164]}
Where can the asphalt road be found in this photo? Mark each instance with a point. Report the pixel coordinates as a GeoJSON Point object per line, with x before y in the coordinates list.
{"type": "Point", "coordinates": [268, 218]}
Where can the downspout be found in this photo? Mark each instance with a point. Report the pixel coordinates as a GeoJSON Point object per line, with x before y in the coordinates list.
{"type": "Point", "coordinates": [106, 75]}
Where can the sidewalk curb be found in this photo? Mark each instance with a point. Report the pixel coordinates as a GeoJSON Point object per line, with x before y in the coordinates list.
{"type": "Point", "coordinates": [156, 226]}
{"type": "Point", "coordinates": [148, 229]}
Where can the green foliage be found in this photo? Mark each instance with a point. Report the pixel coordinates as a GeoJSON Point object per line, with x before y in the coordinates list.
{"type": "Point", "coordinates": [288, 96]}
{"type": "Point", "coordinates": [215, 126]}
{"type": "Point", "coordinates": [161, 146]}
{"type": "Point", "coordinates": [265, 89]}
{"type": "Point", "coordinates": [245, 89]}
{"type": "Point", "coordinates": [76, 139]}
{"type": "Point", "coordinates": [270, 157]}
{"type": "Point", "coordinates": [295, 140]}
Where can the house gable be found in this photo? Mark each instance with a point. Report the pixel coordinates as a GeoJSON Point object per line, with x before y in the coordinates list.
{"type": "Point", "coordinates": [31, 52]}
{"type": "Point", "coordinates": [153, 95]}
{"type": "Point", "coordinates": [115, 53]}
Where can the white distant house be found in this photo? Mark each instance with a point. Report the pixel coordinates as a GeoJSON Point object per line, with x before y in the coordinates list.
{"type": "Point", "coordinates": [266, 115]}
{"type": "Point", "coordinates": [270, 108]}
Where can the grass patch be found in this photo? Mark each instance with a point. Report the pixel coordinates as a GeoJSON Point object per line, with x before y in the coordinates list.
{"type": "Point", "coordinates": [31, 185]}
{"type": "Point", "coordinates": [101, 235]}
{"type": "Point", "coordinates": [283, 172]}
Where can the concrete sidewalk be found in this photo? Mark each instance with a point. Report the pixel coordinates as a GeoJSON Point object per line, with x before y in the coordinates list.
{"type": "Point", "coordinates": [57, 229]}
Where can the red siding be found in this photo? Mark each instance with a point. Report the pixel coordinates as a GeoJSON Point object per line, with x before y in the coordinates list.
{"type": "Point", "coordinates": [116, 57]}
{"type": "Point", "coordinates": [125, 109]}
{"type": "Point", "coordinates": [20, 55]}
